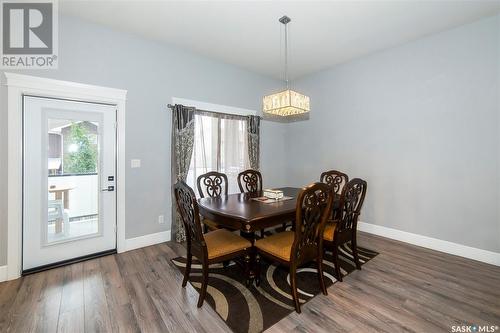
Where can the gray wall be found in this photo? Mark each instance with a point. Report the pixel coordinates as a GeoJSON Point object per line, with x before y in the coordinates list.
{"type": "Point", "coordinates": [419, 122]}
{"type": "Point", "coordinates": [3, 176]}
{"type": "Point", "coordinates": [152, 73]}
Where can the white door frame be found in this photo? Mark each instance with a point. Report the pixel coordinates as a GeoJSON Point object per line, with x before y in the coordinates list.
{"type": "Point", "coordinates": [19, 85]}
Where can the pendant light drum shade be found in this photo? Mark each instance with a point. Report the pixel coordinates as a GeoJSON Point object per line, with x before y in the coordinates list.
{"type": "Point", "coordinates": [287, 102]}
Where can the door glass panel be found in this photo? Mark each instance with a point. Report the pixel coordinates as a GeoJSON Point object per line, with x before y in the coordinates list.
{"type": "Point", "coordinates": [73, 180]}
{"type": "Point", "coordinates": [69, 165]}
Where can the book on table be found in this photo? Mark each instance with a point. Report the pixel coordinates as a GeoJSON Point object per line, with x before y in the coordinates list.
{"type": "Point", "coordinates": [273, 194]}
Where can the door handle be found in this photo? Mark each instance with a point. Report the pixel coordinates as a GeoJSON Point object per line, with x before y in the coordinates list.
{"type": "Point", "coordinates": [108, 189]}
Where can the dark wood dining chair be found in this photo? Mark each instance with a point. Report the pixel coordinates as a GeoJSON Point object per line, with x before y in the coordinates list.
{"type": "Point", "coordinates": [304, 244]}
{"type": "Point", "coordinates": [211, 184]}
{"type": "Point", "coordinates": [213, 247]}
{"type": "Point", "coordinates": [343, 227]}
{"type": "Point", "coordinates": [336, 180]}
{"type": "Point", "coordinates": [250, 181]}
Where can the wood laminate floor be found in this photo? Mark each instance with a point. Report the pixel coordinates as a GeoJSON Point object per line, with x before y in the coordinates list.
{"type": "Point", "coordinates": [405, 288]}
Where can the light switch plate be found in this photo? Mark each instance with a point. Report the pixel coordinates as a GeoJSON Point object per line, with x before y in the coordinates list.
{"type": "Point", "coordinates": [135, 163]}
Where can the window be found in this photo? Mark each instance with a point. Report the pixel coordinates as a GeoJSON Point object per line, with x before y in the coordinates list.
{"type": "Point", "coordinates": [73, 147]}
{"type": "Point", "coordinates": [220, 144]}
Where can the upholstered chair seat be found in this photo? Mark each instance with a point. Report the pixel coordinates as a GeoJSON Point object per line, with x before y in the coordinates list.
{"type": "Point", "coordinates": [222, 242]}
{"type": "Point", "coordinates": [278, 245]}
{"type": "Point", "coordinates": [210, 225]}
{"type": "Point", "coordinates": [213, 247]}
{"type": "Point", "coordinates": [305, 243]}
{"type": "Point", "coordinates": [329, 232]}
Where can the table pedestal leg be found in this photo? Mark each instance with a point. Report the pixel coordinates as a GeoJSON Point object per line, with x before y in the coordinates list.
{"type": "Point", "coordinates": [249, 260]}
{"type": "Point", "coordinates": [257, 269]}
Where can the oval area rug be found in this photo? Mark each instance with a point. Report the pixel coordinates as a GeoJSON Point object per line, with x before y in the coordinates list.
{"type": "Point", "coordinates": [254, 309]}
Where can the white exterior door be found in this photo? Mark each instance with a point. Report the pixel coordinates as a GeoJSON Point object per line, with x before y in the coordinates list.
{"type": "Point", "coordinates": [69, 174]}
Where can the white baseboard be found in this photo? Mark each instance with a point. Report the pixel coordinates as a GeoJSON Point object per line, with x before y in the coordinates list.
{"type": "Point", "coordinates": [130, 244]}
{"type": "Point", "coordinates": [488, 257]}
{"type": "Point", "coordinates": [3, 273]}
{"type": "Point", "coordinates": [147, 240]}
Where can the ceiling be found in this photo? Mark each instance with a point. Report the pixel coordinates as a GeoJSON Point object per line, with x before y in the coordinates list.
{"type": "Point", "coordinates": [248, 34]}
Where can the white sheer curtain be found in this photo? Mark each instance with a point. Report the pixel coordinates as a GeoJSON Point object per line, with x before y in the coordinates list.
{"type": "Point", "coordinates": [220, 144]}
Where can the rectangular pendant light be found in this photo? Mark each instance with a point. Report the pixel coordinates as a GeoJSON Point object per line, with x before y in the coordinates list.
{"type": "Point", "coordinates": [286, 103]}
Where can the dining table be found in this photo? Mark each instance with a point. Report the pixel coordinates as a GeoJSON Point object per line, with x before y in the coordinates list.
{"type": "Point", "coordinates": [240, 211]}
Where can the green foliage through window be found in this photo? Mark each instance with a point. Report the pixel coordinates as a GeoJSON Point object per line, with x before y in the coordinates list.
{"type": "Point", "coordinates": [82, 150]}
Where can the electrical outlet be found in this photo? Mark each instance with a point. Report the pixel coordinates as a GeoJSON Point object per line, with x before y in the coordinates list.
{"type": "Point", "coordinates": [135, 163]}
{"type": "Point", "coordinates": [161, 219]}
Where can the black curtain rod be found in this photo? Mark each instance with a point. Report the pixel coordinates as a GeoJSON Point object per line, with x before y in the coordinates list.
{"type": "Point", "coordinates": [170, 106]}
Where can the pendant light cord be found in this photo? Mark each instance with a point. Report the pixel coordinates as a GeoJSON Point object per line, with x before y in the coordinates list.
{"type": "Point", "coordinates": [285, 20]}
{"type": "Point", "coordinates": [286, 56]}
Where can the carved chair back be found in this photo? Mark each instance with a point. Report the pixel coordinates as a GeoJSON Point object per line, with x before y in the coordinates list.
{"type": "Point", "coordinates": [212, 184]}
{"type": "Point", "coordinates": [312, 211]}
{"type": "Point", "coordinates": [188, 210]}
{"type": "Point", "coordinates": [250, 181]}
{"type": "Point", "coordinates": [335, 179]}
{"type": "Point", "coordinates": [351, 201]}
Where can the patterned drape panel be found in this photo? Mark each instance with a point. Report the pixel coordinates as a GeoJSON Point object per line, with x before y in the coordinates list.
{"type": "Point", "coordinates": [182, 151]}
{"type": "Point", "coordinates": [253, 128]}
